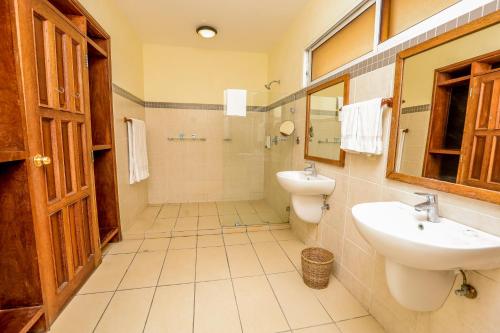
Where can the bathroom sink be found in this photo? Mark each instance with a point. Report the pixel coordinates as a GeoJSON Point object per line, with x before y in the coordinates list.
{"type": "Point", "coordinates": [307, 193]}
{"type": "Point", "coordinates": [298, 182]}
{"type": "Point", "coordinates": [400, 233]}
{"type": "Point", "coordinates": [422, 258]}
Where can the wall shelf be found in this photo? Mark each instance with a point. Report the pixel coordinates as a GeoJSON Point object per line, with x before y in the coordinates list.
{"type": "Point", "coordinates": [20, 320]}
{"type": "Point", "coordinates": [107, 235]}
{"type": "Point", "coordinates": [11, 156]}
{"type": "Point", "coordinates": [454, 82]}
{"type": "Point", "coordinates": [101, 147]}
{"type": "Point", "coordinates": [445, 151]}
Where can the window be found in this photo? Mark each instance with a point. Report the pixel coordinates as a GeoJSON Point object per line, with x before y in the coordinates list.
{"type": "Point", "coordinates": [348, 40]}
{"type": "Point", "coordinates": [399, 15]}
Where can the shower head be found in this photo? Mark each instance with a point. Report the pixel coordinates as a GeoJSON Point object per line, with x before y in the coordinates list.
{"type": "Point", "coordinates": [268, 86]}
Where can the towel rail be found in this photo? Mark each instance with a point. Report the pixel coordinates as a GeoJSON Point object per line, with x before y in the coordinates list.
{"type": "Point", "coordinates": [385, 102]}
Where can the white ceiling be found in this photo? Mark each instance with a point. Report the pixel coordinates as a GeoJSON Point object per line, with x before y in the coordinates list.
{"type": "Point", "coordinates": [243, 25]}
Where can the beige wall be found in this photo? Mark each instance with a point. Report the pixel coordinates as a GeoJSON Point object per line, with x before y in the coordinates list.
{"type": "Point", "coordinates": [126, 45]}
{"type": "Point", "coordinates": [362, 179]}
{"type": "Point", "coordinates": [188, 75]}
{"type": "Point", "coordinates": [127, 71]}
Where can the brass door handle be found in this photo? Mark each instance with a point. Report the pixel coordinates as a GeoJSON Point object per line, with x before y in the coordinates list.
{"type": "Point", "coordinates": [40, 160]}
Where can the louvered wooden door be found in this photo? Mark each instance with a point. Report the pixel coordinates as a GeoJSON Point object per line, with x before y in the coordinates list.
{"type": "Point", "coordinates": [61, 112]}
{"type": "Point", "coordinates": [482, 159]}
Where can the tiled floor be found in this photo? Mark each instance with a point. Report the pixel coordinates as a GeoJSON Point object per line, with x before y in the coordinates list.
{"type": "Point", "coordinates": [189, 219]}
{"type": "Point", "coordinates": [235, 282]}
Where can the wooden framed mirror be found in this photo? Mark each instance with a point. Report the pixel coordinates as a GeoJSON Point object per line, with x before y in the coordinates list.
{"type": "Point", "coordinates": [445, 132]}
{"type": "Point", "coordinates": [322, 140]}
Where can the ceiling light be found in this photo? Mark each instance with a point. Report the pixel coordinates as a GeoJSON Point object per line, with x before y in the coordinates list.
{"type": "Point", "coordinates": [206, 31]}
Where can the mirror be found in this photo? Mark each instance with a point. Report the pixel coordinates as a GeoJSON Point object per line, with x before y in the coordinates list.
{"type": "Point", "coordinates": [322, 141]}
{"type": "Point", "coordinates": [446, 116]}
{"type": "Point", "coordinates": [287, 128]}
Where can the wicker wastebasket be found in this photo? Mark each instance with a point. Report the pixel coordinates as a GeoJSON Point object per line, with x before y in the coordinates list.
{"type": "Point", "coordinates": [316, 267]}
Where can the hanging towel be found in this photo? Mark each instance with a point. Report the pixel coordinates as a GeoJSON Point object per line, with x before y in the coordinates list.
{"type": "Point", "coordinates": [361, 127]}
{"type": "Point", "coordinates": [235, 102]}
{"type": "Point", "coordinates": [137, 151]}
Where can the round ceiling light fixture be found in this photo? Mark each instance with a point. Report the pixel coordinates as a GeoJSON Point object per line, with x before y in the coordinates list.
{"type": "Point", "coordinates": [206, 31]}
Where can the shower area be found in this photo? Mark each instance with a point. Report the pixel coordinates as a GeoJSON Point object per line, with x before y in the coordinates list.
{"type": "Point", "coordinates": [253, 151]}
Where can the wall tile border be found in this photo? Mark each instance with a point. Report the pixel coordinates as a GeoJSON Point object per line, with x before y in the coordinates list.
{"type": "Point", "coordinates": [375, 62]}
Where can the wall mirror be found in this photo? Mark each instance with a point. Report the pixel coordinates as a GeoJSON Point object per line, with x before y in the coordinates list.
{"type": "Point", "coordinates": [287, 128]}
{"type": "Point", "coordinates": [445, 132]}
{"type": "Point", "coordinates": [322, 141]}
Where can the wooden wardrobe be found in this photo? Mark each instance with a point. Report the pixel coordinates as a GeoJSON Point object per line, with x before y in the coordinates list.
{"type": "Point", "coordinates": [58, 187]}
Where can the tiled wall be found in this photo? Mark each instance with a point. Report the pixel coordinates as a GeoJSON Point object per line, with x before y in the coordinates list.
{"type": "Point", "coordinates": [133, 198]}
{"type": "Point", "coordinates": [358, 266]}
{"type": "Point", "coordinates": [413, 153]}
{"type": "Point", "coordinates": [229, 165]}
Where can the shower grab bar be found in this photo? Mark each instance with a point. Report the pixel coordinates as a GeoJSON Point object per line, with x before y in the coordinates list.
{"type": "Point", "coordinates": [187, 139]}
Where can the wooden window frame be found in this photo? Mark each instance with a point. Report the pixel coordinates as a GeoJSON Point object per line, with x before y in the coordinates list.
{"type": "Point", "coordinates": [459, 189]}
{"type": "Point", "coordinates": [342, 23]}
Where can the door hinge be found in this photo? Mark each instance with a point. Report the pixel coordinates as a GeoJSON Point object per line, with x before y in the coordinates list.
{"type": "Point", "coordinates": [87, 60]}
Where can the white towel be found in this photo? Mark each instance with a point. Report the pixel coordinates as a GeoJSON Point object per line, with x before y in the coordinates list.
{"type": "Point", "coordinates": [361, 127]}
{"type": "Point", "coordinates": [235, 102]}
{"type": "Point", "coordinates": [137, 151]}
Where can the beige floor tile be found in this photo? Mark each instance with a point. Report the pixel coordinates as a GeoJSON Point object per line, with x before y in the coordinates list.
{"type": "Point", "coordinates": [269, 216]}
{"type": "Point", "coordinates": [207, 209]}
{"type": "Point", "coordinates": [232, 230]}
{"type": "Point", "coordinates": [144, 270]}
{"type": "Point", "coordinates": [211, 264]}
{"type": "Point", "coordinates": [172, 310]}
{"type": "Point", "coordinates": [226, 209]}
{"type": "Point", "coordinates": [229, 220]}
{"type": "Point", "coordinates": [244, 207]}
{"type": "Point", "coordinates": [82, 313]}
{"type": "Point", "coordinates": [360, 325]}
{"type": "Point", "coordinates": [209, 232]}
{"type": "Point", "coordinates": [215, 308]}
{"type": "Point", "coordinates": [125, 246]}
{"type": "Point", "coordinates": [179, 267]}
{"type": "Point", "coordinates": [140, 226]}
{"type": "Point", "coordinates": [188, 209]}
{"type": "Point", "coordinates": [243, 261]}
{"type": "Point", "coordinates": [108, 275]}
{"type": "Point", "coordinates": [156, 244]}
{"type": "Point", "coordinates": [178, 243]}
{"type": "Point", "coordinates": [186, 223]}
{"type": "Point", "coordinates": [150, 212]}
{"type": "Point", "coordinates": [301, 307]}
{"type": "Point", "coordinates": [210, 240]}
{"type": "Point", "coordinates": [338, 301]}
{"type": "Point", "coordinates": [236, 238]}
{"type": "Point", "coordinates": [261, 236]}
{"type": "Point", "coordinates": [272, 258]}
{"type": "Point", "coordinates": [209, 222]}
{"type": "Point", "coordinates": [127, 311]}
{"type": "Point", "coordinates": [161, 227]}
{"type": "Point", "coordinates": [186, 233]}
{"type": "Point", "coordinates": [258, 227]}
{"type": "Point", "coordinates": [250, 219]}
{"type": "Point", "coordinates": [284, 234]}
{"type": "Point", "coordinates": [293, 249]}
{"type": "Point", "coordinates": [258, 308]}
{"type": "Point", "coordinates": [331, 328]}
{"type": "Point", "coordinates": [169, 211]}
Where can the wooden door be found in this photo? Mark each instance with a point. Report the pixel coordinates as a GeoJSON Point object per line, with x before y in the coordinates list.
{"type": "Point", "coordinates": [481, 162]}
{"type": "Point", "coordinates": [59, 141]}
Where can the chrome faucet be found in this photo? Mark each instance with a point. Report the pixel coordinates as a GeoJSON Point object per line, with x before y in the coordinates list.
{"type": "Point", "coordinates": [310, 169]}
{"type": "Point", "coordinates": [430, 206]}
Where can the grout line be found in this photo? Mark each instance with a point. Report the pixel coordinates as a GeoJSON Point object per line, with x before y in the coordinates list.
{"type": "Point", "coordinates": [232, 285]}
{"type": "Point", "coordinates": [270, 285]}
{"type": "Point", "coordinates": [156, 286]}
{"type": "Point", "coordinates": [116, 289]}
{"type": "Point", "coordinates": [194, 283]}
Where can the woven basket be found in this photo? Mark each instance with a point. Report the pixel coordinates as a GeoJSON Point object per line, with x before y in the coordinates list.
{"type": "Point", "coordinates": [316, 267]}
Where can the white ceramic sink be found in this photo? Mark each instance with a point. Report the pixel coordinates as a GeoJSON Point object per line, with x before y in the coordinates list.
{"type": "Point", "coordinates": [307, 193]}
{"type": "Point", "coordinates": [297, 182]}
{"type": "Point", "coordinates": [421, 256]}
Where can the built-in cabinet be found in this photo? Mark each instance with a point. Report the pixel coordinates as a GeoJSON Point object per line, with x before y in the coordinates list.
{"type": "Point", "coordinates": [58, 188]}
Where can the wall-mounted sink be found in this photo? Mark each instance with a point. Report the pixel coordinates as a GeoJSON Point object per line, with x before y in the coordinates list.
{"type": "Point", "coordinates": [421, 256]}
{"type": "Point", "coordinates": [307, 193]}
